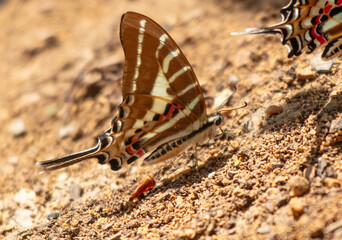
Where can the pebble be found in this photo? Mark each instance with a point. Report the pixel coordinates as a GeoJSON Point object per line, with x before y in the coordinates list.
{"type": "Point", "coordinates": [322, 164]}
{"type": "Point", "coordinates": [133, 224]}
{"type": "Point", "coordinates": [279, 180]}
{"type": "Point", "coordinates": [13, 160]}
{"type": "Point", "coordinates": [255, 122]}
{"type": "Point", "coordinates": [116, 236]}
{"type": "Point", "coordinates": [25, 197]}
{"type": "Point", "coordinates": [274, 110]}
{"type": "Point", "coordinates": [270, 207]}
{"type": "Point", "coordinates": [210, 175]}
{"type": "Point", "coordinates": [298, 186]}
{"type": "Point", "coordinates": [225, 182]}
{"type": "Point", "coordinates": [62, 177]}
{"type": "Point", "coordinates": [306, 73]}
{"type": "Point", "coordinates": [17, 127]}
{"type": "Point", "coordinates": [53, 215]}
{"type": "Point", "coordinates": [332, 182]}
{"type": "Point", "coordinates": [264, 229]}
{"type": "Point", "coordinates": [336, 125]}
{"type": "Point", "coordinates": [297, 207]}
{"type": "Point", "coordinates": [187, 234]}
{"type": "Point", "coordinates": [75, 191]}
{"type": "Point", "coordinates": [233, 80]}
{"type": "Point", "coordinates": [321, 66]}
{"type": "Point", "coordinates": [23, 218]}
{"type": "Point", "coordinates": [65, 131]}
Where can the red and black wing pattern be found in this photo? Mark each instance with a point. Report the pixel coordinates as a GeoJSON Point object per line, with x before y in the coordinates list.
{"type": "Point", "coordinates": [307, 25]}
{"type": "Point", "coordinates": [162, 99]}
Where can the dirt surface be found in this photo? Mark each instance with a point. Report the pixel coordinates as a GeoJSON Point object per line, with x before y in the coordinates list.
{"type": "Point", "coordinates": [278, 177]}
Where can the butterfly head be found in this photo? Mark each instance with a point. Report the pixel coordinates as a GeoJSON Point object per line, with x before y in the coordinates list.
{"type": "Point", "coordinates": [217, 119]}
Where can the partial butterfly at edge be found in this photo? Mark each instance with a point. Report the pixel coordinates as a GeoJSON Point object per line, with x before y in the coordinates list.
{"type": "Point", "coordinates": [163, 109]}
{"type": "Point", "coordinates": [307, 25]}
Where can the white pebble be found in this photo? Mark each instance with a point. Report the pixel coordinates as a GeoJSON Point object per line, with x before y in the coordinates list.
{"type": "Point", "coordinates": [17, 127]}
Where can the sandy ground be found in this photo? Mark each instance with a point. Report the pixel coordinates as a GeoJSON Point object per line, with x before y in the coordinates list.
{"type": "Point", "coordinates": [278, 177]}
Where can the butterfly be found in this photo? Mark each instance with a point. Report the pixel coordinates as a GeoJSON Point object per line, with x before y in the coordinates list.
{"type": "Point", "coordinates": [307, 25]}
{"type": "Point", "coordinates": [163, 109]}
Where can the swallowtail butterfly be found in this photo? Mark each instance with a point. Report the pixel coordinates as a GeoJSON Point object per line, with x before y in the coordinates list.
{"type": "Point", "coordinates": [163, 110]}
{"type": "Point", "coordinates": [308, 24]}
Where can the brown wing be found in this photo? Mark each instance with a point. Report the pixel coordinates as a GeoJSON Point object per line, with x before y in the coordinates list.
{"type": "Point", "coordinates": [162, 99]}
{"type": "Point", "coordinates": [156, 66]}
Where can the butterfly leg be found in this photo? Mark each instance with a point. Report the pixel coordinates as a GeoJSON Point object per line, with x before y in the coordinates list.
{"type": "Point", "coordinates": [194, 158]}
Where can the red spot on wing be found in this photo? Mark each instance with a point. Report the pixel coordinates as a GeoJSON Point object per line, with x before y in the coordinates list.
{"type": "Point", "coordinates": [161, 118]}
{"type": "Point", "coordinates": [134, 138]}
{"type": "Point", "coordinates": [172, 108]}
{"type": "Point", "coordinates": [327, 8]}
{"type": "Point", "coordinates": [320, 38]}
{"type": "Point", "coordinates": [339, 2]}
{"type": "Point", "coordinates": [140, 152]}
{"type": "Point", "coordinates": [130, 150]}
{"type": "Point", "coordinates": [318, 19]}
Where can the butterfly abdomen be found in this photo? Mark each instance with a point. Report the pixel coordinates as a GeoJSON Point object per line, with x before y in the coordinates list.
{"type": "Point", "coordinates": [172, 148]}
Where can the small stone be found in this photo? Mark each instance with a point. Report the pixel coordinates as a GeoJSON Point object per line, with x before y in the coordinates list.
{"type": "Point", "coordinates": [219, 86]}
{"type": "Point", "coordinates": [219, 213]}
{"type": "Point", "coordinates": [225, 182]}
{"type": "Point", "coordinates": [25, 197]}
{"type": "Point", "coordinates": [322, 164]}
{"type": "Point", "coordinates": [62, 177]}
{"type": "Point", "coordinates": [53, 215]}
{"type": "Point", "coordinates": [23, 218]}
{"type": "Point", "coordinates": [336, 125]}
{"type": "Point", "coordinates": [179, 200]}
{"type": "Point", "coordinates": [115, 236]}
{"type": "Point", "coordinates": [298, 186]}
{"type": "Point", "coordinates": [75, 191]}
{"type": "Point", "coordinates": [65, 131]}
{"type": "Point", "coordinates": [210, 175]}
{"type": "Point", "coordinates": [255, 122]}
{"type": "Point", "coordinates": [17, 127]}
{"type": "Point", "coordinates": [186, 233]}
{"type": "Point", "coordinates": [297, 207]}
{"type": "Point", "coordinates": [321, 66]}
{"type": "Point", "coordinates": [306, 73]}
{"type": "Point", "coordinates": [28, 99]}
{"type": "Point", "coordinates": [264, 229]}
{"type": "Point", "coordinates": [270, 207]}
{"type": "Point", "coordinates": [273, 110]}
{"type": "Point", "coordinates": [13, 160]}
{"type": "Point", "coordinates": [332, 182]}
{"type": "Point", "coordinates": [233, 80]}
{"type": "Point", "coordinates": [133, 224]}
{"type": "Point", "coordinates": [279, 180]}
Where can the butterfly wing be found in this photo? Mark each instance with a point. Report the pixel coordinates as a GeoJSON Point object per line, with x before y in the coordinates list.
{"type": "Point", "coordinates": [162, 99]}
{"type": "Point", "coordinates": [158, 84]}
{"type": "Point", "coordinates": [307, 25]}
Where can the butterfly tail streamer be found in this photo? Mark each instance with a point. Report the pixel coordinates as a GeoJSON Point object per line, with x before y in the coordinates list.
{"type": "Point", "coordinates": [263, 31]}
{"type": "Point", "coordinates": [57, 163]}
{"type": "Point", "coordinates": [96, 152]}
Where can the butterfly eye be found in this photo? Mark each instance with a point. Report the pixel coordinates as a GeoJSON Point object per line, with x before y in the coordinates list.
{"type": "Point", "coordinates": [218, 120]}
